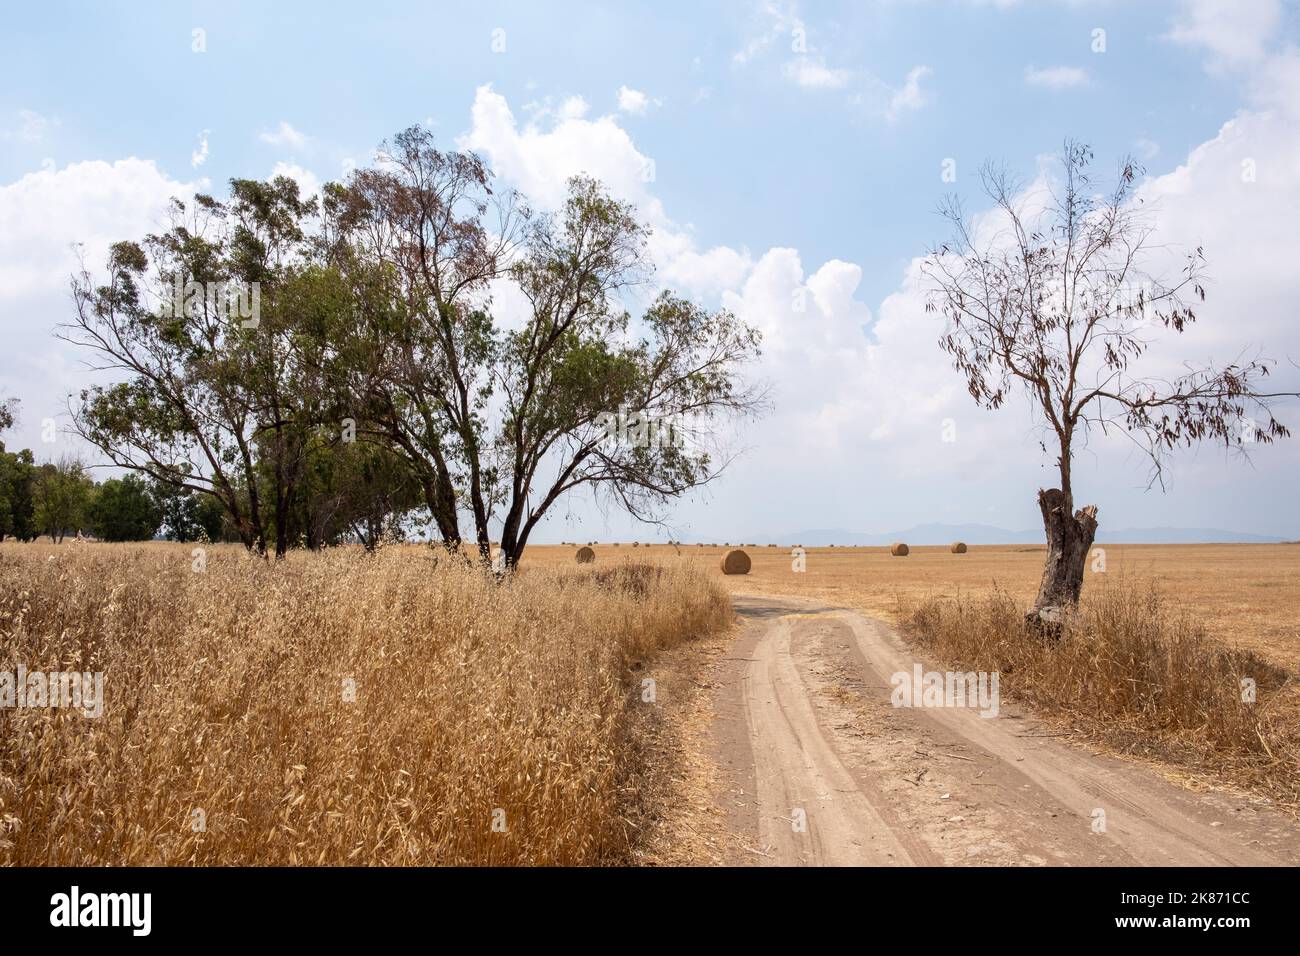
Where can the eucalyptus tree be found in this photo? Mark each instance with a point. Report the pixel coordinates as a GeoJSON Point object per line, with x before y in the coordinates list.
{"type": "Point", "coordinates": [504, 410]}
{"type": "Point", "coordinates": [379, 368]}
{"type": "Point", "coordinates": [191, 322]}
{"type": "Point", "coordinates": [634, 411]}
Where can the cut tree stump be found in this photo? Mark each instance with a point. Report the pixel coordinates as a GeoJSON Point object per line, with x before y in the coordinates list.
{"type": "Point", "coordinates": [1069, 538]}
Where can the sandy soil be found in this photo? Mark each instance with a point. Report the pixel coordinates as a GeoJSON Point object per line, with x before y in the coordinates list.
{"type": "Point", "coordinates": [818, 768]}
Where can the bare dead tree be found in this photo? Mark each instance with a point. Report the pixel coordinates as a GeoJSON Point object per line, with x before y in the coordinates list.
{"type": "Point", "coordinates": [1056, 300]}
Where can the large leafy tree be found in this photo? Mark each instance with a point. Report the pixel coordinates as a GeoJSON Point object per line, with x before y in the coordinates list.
{"type": "Point", "coordinates": [420, 237]}
{"type": "Point", "coordinates": [209, 392]}
{"type": "Point", "coordinates": [578, 365]}
{"type": "Point", "coordinates": [185, 515]}
{"type": "Point", "coordinates": [17, 502]}
{"type": "Point", "coordinates": [62, 494]}
{"type": "Point", "coordinates": [501, 419]}
{"type": "Point", "coordinates": [124, 510]}
{"type": "Point", "coordinates": [355, 491]}
{"type": "Point", "coordinates": [379, 377]}
{"type": "Point", "coordinates": [17, 471]}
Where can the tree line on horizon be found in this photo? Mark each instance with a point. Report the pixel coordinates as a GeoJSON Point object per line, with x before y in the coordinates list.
{"type": "Point", "coordinates": [59, 499]}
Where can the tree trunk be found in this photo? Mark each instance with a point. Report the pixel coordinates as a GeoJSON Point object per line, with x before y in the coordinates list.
{"type": "Point", "coordinates": [1069, 538]}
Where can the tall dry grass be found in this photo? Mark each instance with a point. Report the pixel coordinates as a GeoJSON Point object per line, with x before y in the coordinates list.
{"type": "Point", "coordinates": [224, 693]}
{"type": "Point", "coordinates": [1136, 673]}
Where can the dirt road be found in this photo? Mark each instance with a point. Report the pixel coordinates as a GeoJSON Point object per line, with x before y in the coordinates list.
{"type": "Point", "coordinates": [819, 768]}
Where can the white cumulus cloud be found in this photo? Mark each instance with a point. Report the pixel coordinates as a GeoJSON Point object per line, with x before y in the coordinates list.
{"type": "Point", "coordinates": [32, 127]}
{"type": "Point", "coordinates": [308, 182]}
{"type": "Point", "coordinates": [200, 154]}
{"type": "Point", "coordinates": [284, 135]}
{"type": "Point", "coordinates": [634, 101]}
{"type": "Point", "coordinates": [909, 96]}
{"type": "Point", "coordinates": [52, 218]}
{"type": "Point", "coordinates": [1234, 33]}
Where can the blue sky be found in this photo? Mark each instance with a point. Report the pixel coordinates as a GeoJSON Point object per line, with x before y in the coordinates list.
{"type": "Point", "coordinates": [789, 142]}
{"type": "Point", "coordinates": [755, 160]}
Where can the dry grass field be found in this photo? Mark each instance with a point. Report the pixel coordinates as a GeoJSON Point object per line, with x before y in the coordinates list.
{"type": "Point", "coordinates": [336, 708]}
{"type": "Point", "coordinates": [1139, 674]}
{"type": "Point", "coordinates": [1246, 595]}
{"type": "Point", "coordinates": [501, 723]}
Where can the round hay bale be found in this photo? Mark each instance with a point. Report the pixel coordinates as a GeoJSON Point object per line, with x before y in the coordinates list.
{"type": "Point", "coordinates": [735, 562]}
{"type": "Point", "coordinates": [899, 550]}
{"type": "Point", "coordinates": [958, 547]}
{"type": "Point", "coordinates": [585, 555]}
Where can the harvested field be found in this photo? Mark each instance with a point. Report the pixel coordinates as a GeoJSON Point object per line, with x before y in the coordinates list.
{"type": "Point", "coordinates": [1244, 594]}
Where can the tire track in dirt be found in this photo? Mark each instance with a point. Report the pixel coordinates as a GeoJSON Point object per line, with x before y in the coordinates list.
{"type": "Point", "coordinates": [850, 828]}
{"type": "Point", "coordinates": [806, 734]}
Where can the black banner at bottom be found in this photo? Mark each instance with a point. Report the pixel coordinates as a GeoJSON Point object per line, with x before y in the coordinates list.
{"type": "Point", "coordinates": [338, 905]}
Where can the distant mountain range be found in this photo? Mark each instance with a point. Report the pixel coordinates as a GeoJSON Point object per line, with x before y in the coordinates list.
{"type": "Point", "coordinates": [988, 534]}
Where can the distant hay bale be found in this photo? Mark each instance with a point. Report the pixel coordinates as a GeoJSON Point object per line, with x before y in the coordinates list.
{"type": "Point", "coordinates": [899, 550]}
{"type": "Point", "coordinates": [735, 562]}
{"type": "Point", "coordinates": [636, 544]}
{"type": "Point", "coordinates": [585, 555]}
{"type": "Point", "coordinates": [958, 547]}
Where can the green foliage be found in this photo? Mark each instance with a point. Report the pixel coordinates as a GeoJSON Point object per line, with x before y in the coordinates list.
{"type": "Point", "coordinates": [62, 494]}
{"type": "Point", "coordinates": [17, 505]}
{"type": "Point", "coordinates": [186, 515]}
{"type": "Point", "coordinates": [124, 510]}
{"type": "Point", "coordinates": [378, 382]}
